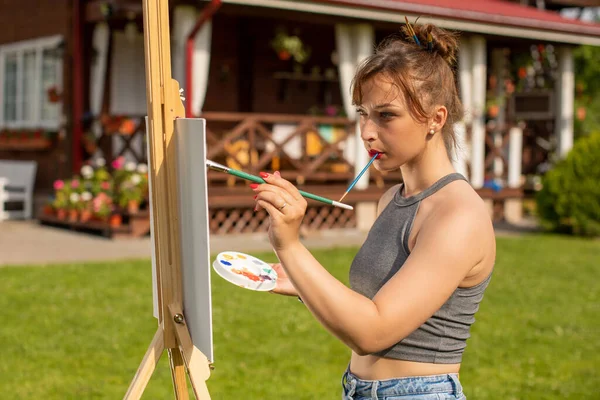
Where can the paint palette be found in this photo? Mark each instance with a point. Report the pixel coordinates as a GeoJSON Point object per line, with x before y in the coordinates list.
{"type": "Point", "coordinates": [245, 271]}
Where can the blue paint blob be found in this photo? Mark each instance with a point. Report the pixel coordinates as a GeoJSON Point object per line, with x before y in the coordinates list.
{"type": "Point", "coordinates": [225, 262]}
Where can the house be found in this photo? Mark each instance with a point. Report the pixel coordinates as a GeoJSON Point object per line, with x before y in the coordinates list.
{"type": "Point", "coordinates": [272, 79]}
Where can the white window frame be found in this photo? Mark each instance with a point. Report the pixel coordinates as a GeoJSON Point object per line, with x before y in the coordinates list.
{"type": "Point", "coordinates": [38, 45]}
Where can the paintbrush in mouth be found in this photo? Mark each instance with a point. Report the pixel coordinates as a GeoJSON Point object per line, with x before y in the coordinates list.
{"type": "Point", "coordinates": [359, 175]}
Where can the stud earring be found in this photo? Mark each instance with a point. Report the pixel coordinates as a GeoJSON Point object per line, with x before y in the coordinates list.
{"type": "Point", "coordinates": [431, 131]}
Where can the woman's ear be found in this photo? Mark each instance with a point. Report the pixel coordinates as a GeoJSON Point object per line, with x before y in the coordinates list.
{"type": "Point", "coordinates": [439, 118]}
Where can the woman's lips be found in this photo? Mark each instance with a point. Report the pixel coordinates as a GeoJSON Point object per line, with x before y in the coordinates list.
{"type": "Point", "coordinates": [373, 152]}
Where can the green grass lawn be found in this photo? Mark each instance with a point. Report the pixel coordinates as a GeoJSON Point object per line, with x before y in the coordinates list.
{"type": "Point", "coordinates": [80, 331]}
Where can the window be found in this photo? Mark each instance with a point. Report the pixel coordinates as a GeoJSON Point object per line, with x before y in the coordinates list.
{"type": "Point", "coordinates": [28, 71]}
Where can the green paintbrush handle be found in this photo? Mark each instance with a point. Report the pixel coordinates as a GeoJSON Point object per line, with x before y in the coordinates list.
{"type": "Point", "coordinates": [243, 175]}
{"type": "Point", "coordinates": [257, 179]}
{"type": "Point", "coordinates": [253, 178]}
{"type": "Point", "coordinates": [315, 197]}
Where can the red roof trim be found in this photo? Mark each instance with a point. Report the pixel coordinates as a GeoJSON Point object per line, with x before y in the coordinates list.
{"type": "Point", "coordinates": [496, 12]}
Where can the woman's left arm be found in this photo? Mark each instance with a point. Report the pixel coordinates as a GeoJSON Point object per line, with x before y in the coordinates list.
{"type": "Point", "coordinates": [443, 255]}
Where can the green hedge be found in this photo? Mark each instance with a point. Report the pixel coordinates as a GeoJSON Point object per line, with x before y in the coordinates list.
{"type": "Point", "coordinates": [570, 197]}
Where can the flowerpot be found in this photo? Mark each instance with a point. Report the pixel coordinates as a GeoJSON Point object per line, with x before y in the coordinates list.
{"type": "Point", "coordinates": [48, 210]}
{"type": "Point", "coordinates": [115, 220]}
{"type": "Point", "coordinates": [127, 127]}
{"type": "Point", "coordinates": [73, 215]}
{"type": "Point", "coordinates": [493, 111]}
{"type": "Point", "coordinates": [61, 214]}
{"type": "Point", "coordinates": [133, 207]}
{"type": "Point", "coordinates": [100, 218]}
{"type": "Point", "coordinates": [284, 55]}
{"type": "Point", "coordinates": [85, 215]}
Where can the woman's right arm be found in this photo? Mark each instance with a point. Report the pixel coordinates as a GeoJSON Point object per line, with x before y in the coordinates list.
{"type": "Point", "coordinates": [285, 286]}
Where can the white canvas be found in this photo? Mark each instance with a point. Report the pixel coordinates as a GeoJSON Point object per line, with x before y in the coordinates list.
{"type": "Point", "coordinates": [190, 140]}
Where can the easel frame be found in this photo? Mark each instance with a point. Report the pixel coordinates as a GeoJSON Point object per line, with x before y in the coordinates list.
{"type": "Point", "coordinates": [164, 106]}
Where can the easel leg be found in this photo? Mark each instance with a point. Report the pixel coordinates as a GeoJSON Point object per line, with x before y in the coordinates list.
{"type": "Point", "coordinates": [178, 374]}
{"type": "Point", "coordinates": [198, 367]}
{"type": "Point", "coordinates": [146, 368]}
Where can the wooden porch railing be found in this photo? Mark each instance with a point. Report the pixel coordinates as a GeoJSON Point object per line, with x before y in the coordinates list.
{"type": "Point", "coordinates": [314, 152]}
{"type": "Point", "coordinates": [304, 148]}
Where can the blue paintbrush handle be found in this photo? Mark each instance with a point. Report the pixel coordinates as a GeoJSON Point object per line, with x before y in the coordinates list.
{"type": "Point", "coordinates": [361, 173]}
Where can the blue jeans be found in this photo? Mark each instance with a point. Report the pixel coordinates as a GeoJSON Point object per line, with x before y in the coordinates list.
{"type": "Point", "coordinates": [432, 387]}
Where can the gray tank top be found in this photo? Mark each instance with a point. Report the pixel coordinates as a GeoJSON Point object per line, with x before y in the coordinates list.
{"type": "Point", "coordinates": [442, 338]}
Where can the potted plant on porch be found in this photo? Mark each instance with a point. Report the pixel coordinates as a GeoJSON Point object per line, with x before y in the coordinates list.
{"type": "Point", "coordinates": [102, 207]}
{"type": "Point", "coordinates": [130, 193]}
{"type": "Point", "coordinates": [61, 200]}
{"type": "Point", "coordinates": [85, 207]}
{"type": "Point", "coordinates": [74, 206]}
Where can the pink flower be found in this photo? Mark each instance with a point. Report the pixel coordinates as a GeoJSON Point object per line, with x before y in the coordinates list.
{"type": "Point", "coordinates": [100, 200]}
{"type": "Point", "coordinates": [74, 183]}
{"type": "Point", "coordinates": [118, 162]}
{"type": "Point", "coordinates": [58, 184]}
{"type": "Point", "coordinates": [105, 185]}
{"type": "Point", "coordinates": [96, 203]}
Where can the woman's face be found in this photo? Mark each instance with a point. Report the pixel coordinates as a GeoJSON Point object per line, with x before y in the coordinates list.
{"type": "Point", "coordinates": [387, 126]}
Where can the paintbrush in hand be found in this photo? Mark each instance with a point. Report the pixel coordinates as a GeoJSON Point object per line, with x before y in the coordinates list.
{"type": "Point", "coordinates": [257, 179]}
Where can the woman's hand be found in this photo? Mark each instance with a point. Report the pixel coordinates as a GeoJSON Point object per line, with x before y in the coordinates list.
{"type": "Point", "coordinates": [286, 208]}
{"type": "Point", "coordinates": [284, 285]}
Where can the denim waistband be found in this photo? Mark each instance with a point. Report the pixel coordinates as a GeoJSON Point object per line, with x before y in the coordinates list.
{"type": "Point", "coordinates": [413, 385]}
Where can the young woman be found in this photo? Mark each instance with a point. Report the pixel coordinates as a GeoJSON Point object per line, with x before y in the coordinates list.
{"type": "Point", "coordinates": [418, 279]}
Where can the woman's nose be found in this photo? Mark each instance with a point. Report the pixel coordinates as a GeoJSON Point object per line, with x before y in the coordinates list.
{"type": "Point", "coordinates": [368, 131]}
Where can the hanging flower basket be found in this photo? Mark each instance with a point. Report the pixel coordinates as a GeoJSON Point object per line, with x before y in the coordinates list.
{"type": "Point", "coordinates": [119, 124]}
{"type": "Point", "coordinates": [290, 47]}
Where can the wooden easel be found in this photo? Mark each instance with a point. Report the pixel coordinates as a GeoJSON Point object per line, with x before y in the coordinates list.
{"type": "Point", "coordinates": [164, 105]}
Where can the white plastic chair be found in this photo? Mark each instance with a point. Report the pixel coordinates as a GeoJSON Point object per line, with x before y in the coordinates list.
{"type": "Point", "coordinates": [17, 179]}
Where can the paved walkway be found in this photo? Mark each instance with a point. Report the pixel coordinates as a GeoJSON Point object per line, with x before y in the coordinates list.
{"type": "Point", "coordinates": [27, 242]}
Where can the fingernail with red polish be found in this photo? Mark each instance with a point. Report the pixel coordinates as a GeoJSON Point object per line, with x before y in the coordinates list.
{"type": "Point", "coordinates": [254, 185]}
{"type": "Point", "coordinates": [255, 197]}
{"type": "Point", "coordinates": [264, 175]}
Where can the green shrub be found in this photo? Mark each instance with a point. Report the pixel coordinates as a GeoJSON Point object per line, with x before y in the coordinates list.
{"type": "Point", "coordinates": [570, 197]}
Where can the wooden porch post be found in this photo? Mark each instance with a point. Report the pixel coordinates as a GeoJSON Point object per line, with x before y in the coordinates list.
{"type": "Point", "coordinates": [77, 91]}
{"type": "Point", "coordinates": [479, 68]}
{"type": "Point", "coordinates": [465, 79]}
{"type": "Point", "coordinates": [184, 18]}
{"type": "Point", "coordinates": [565, 94]}
{"type": "Point", "coordinates": [364, 39]}
{"type": "Point", "coordinates": [366, 212]}
{"type": "Point", "coordinates": [498, 65]}
{"type": "Point", "coordinates": [513, 208]}
{"type": "Point", "coordinates": [98, 79]}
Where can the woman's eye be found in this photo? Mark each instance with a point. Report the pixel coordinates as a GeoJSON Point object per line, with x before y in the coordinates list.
{"type": "Point", "coordinates": [386, 115]}
{"type": "Point", "coordinates": [360, 111]}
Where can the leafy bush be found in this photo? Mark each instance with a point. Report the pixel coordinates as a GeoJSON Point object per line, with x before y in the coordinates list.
{"type": "Point", "coordinates": [570, 197]}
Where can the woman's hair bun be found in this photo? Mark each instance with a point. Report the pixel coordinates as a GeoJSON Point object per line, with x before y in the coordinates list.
{"type": "Point", "coordinates": [445, 43]}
